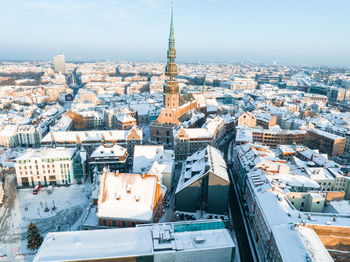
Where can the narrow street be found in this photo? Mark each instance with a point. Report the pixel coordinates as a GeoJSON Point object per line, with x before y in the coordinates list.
{"type": "Point", "coordinates": [10, 234]}
{"type": "Point", "coordinates": [236, 214]}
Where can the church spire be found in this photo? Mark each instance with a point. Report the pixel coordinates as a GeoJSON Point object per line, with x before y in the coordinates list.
{"type": "Point", "coordinates": [171, 35]}
{"type": "Point", "coordinates": [171, 87]}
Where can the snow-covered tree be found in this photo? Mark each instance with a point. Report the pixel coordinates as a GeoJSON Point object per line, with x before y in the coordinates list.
{"type": "Point", "coordinates": [34, 239]}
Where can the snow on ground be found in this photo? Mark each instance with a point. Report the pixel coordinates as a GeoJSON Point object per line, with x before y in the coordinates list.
{"type": "Point", "coordinates": [56, 211]}
{"type": "Point", "coordinates": [61, 210]}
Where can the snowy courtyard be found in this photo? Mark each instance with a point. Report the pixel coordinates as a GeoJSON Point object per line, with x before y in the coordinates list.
{"type": "Point", "coordinates": [61, 210]}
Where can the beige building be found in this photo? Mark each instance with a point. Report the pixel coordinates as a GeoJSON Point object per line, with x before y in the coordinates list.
{"type": "Point", "coordinates": [328, 143]}
{"type": "Point", "coordinates": [307, 201]}
{"type": "Point", "coordinates": [50, 166]}
{"type": "Point", "coordinates": [247, 119]}
{"type": "Point", "coordinates": [125, 122]}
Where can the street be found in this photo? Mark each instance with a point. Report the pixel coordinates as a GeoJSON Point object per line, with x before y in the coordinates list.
{"type": "Point", "coordinates": [236, 214]}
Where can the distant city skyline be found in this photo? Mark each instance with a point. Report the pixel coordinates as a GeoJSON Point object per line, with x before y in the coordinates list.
{"type": "Point", "coordinates": [295, 32]}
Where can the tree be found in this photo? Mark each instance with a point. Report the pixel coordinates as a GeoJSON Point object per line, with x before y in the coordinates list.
{"type": "Point", "coordinates": [34, 239]}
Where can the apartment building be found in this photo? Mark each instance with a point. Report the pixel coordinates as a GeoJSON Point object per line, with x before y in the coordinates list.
{"type": "Point", "coordinates": [328, 143]}
{"type": "Point", "coordinates": [112, 156]}
{"type": "Point", "coordinates": [127, 199]}
{"type": "Point", "coordinates": [273, 138]}
{"type": "Point", "coordinates": [50, 166]}
{"type": "Point", "coordinates": [189, 140]}
{"type": "Point", "coordinates": [90, 140]}
{"type": "Point", "coordinates": [125, 122]}
{"type": "Point", "coordinates": [31, 135]}
{"type": "Point", "coordinates": [246, 119]}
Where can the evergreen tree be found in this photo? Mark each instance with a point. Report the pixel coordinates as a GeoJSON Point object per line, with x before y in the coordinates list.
{"type": "Point", "coordinates": [34, 239]}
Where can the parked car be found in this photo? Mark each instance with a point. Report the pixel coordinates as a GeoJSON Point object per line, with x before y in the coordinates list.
{"type": "Point", "coordinates": [3, 256]}
{"type": "Point", "coordinates": [49, 189]}
{"type": "Point", "coordinates": [36, 189]}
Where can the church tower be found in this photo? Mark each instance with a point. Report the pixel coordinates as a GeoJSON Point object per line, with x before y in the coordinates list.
{"type": "Point", "coordinates": [162, 128]}
{"type": "Point", "coordinates": [171, 88]}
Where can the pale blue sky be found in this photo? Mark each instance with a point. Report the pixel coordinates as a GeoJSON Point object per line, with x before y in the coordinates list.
{"type": "Point", "coordinates": [289, 31]}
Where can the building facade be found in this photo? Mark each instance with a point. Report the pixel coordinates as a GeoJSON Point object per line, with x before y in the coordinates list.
{"type": "Point", "coordinates": [112, 156]}
{"type": "Point", "coordinates": [90, 140]}
{"type": "Point", "coordinates": [328, 143]}
{"type": "Point", "coordinates": [127, 199]}
{"type": "Point", "coordinates": [50, 166]}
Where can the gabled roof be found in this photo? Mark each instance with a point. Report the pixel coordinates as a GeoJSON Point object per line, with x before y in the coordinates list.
{"type": "Point", "coordinates": [202, 163]}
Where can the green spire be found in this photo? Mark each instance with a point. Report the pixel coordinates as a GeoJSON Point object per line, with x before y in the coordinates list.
{"type": "Point", "coordinates": [171, 36]}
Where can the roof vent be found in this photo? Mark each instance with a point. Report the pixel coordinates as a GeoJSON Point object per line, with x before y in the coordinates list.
{"type": "Point", "coordinates": [199, 240]}
{"type": "Point", "coordinates": [128, 188]}
{"type": "Point", "coordinates": [118, 195]}
{"type": "Point", "coordinates": [137, 198]}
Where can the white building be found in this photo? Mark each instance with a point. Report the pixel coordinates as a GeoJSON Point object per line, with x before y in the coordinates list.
{"type": "Point", "coordinates": [50, 166]}
{"type": "Point", "coordinates": [30, 135]}
{"type": "Point", "coordinates": [8, 136]}
{"type": "Point", "coordinates": [156, 159]}
{"type": "Point", "coordinates": [195, 241]}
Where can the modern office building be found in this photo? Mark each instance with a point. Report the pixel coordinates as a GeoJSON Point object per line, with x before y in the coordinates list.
{"type": "Point", "coordinates": [195, 241]}
{"type": "Point", "coordinates": [50, 166]}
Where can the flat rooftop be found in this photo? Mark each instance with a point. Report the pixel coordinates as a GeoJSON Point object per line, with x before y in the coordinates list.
{"type": "Point", "coordinates": [143, 240]}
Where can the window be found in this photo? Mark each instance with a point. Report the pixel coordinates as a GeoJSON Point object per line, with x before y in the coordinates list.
{"type": "Point", "coordinates": [114, 223]}
{"type": "Point", "coordinates": [123, 224]}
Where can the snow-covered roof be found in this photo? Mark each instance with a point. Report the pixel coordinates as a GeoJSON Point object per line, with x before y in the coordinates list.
{"type": "Point", "coordinates": [140, 241]}
{"type": "Point", "coordinates": [319, 173]}
{"type": "Point", "coordinates": [146, 155]}
{"type": "Point", "coordinates": [48, 153]}
{"type": "Point", "coordinates": [126, 196]}
{"type": "Point", "coordinates": [109, 150]}
{"type": "Point", "coordinates": [198, 133]}
{"type": "Point", "coordinates": [199, 164]}
{"type": "Point", "coordinates": [9, 131]}
{"type": "Point", "coordinates": [95, 244]}
{"type": "Point", "coordinates": [297, 181]}
{"type": "Point", "coordinates": [71, 136]}
{"type": "Point", "coordinates": [125, 118]}
{"type": "Point", "coordinates": [325, 134]}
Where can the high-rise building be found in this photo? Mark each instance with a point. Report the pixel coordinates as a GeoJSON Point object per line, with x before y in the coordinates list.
{"type": "Point", "coordinates": [59, 64]}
